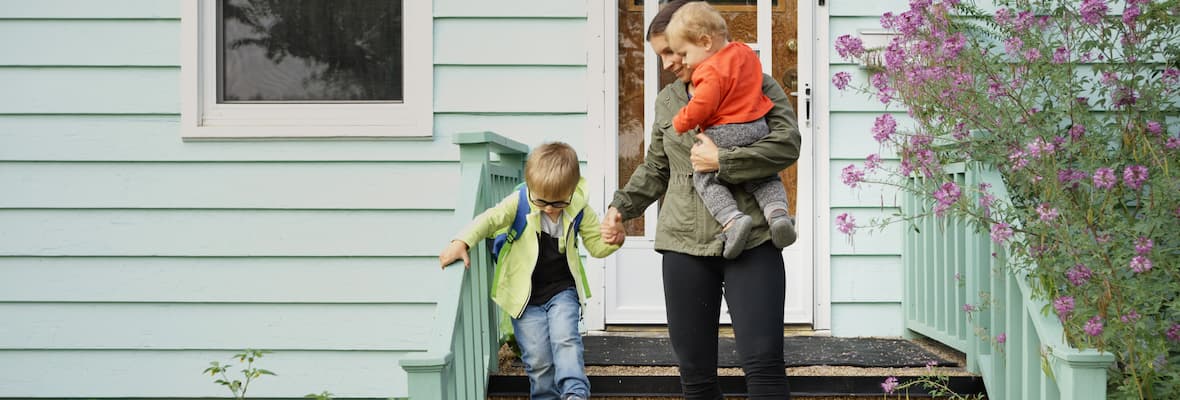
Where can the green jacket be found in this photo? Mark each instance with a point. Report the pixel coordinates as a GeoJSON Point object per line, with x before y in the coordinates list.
{"type": "Point", "coordinates": [684, 224]}
{"type": "Point", "coordinates": [512, 284]}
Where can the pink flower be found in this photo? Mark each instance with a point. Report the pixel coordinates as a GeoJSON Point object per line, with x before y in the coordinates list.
{"type": "Point", "coordinates": [848, 46]}
{"type": "Point", "coordinates": [1134, 176]}
{"type": "Point", "coordinates": [1079, 275]}
{"type": "Point", "coordinates": [1104, 178]}
{"type": "Point", "coordinates": [1001, 338]}
{"type": "Point", "coordinates": [1143, 245]}
{"type": "Point", "coordinates": [1001, 232]}
{"type": "Point", "coordinates": [1061, 55]}
{"type": "Point", "coordinates": [1013, 46]}
{"type": "Point", "coordinates": [884, 127]}
{"type": "Point", "coordinates": [846, 224]}
{"type": "Point", "coordinates": [946, 195]}
{"type": "Point", "coordinates": [1154, 127]}
{"type": "Point", "coordinates": [1093, 326]}
{"type": "Point", "coordinates": [1140, 264]}
{"type": "Point", "coordinates": [1173, 143]}
{"type": "Point", "coordinates": [1076, 131]}
{"type": "Point", "coordinates": [968, 308]}
{"type": "Point", "coordinates": [890, 384]}
{"type": "Point", "coordinates": [1174, 333]}
{"type": "Point", "coordinates": [873, 161]}
{"type": "Point", "coordinates": [1130, 317]}
{"type": "Point", "coordinates": [1064, 306]}
{"type": "Point", "coordinates": [852, 176]}
{"type": "Point", "coordinates": [1047, 212]}
{"type": "Point", "coordinates": [841, 80]}
{"type": "Point", "coordinates": [1092, 11]}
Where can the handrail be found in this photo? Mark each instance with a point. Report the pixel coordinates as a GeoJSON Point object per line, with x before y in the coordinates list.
{"type": "Point", "coordinates": [463, 345]}
{"type": "Point", "coordinates": [1034, 360]}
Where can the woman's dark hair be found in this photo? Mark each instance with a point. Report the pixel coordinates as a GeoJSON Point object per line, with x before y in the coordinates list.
{"type": "Point", "coordinates": [660, 22]}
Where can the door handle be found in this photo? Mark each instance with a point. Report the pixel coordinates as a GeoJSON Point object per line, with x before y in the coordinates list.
{"type": "Point", "coordinates": [806, 99]}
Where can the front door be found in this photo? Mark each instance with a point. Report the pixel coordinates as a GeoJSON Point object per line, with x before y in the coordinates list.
{"type": "Point", "coordinates": [634, 293]}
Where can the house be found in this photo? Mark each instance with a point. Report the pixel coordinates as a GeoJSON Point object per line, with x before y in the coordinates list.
{"type": "Point", "coordinates": [185, 179]}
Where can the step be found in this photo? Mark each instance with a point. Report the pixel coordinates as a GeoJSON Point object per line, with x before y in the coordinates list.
{"type": "Point", "coordinates": [502, 386]}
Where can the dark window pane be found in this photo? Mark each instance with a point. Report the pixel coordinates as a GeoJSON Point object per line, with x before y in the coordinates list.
{"type": "Point", "coordinates": [310, 50]}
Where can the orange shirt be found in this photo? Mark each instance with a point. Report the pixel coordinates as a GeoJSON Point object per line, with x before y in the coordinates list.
{"type": "Point", "coordinates": [728, 90]}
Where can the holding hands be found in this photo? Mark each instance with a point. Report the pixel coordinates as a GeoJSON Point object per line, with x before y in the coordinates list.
{"type": "Point", "coordinates": [612, 227]}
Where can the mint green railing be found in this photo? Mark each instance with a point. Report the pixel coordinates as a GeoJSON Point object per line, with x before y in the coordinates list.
{"type": "Point", "coordinates": [947, 265]}
{"type": "Point", "coordinates": [464, 342]}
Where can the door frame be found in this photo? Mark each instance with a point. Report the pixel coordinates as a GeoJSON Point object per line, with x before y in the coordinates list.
{"type": "Point", "coordinates": [602, 110]}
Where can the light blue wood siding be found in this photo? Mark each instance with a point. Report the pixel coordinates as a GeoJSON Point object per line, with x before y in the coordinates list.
{"type": "Point", "coordinates": [130, 259]}
{"type": "Point", "coordinates": [866, 271]}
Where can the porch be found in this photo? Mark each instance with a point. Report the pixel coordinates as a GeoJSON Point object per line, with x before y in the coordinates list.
{"type": "Point", "coordinates": [465, 360]}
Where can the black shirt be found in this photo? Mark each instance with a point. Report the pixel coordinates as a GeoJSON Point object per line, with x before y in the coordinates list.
{"type": "Point", "coordinates": [552, 274]}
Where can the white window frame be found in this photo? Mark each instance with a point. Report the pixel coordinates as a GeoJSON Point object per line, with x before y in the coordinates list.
{"type": "Point", "coordinates": [203, 118]}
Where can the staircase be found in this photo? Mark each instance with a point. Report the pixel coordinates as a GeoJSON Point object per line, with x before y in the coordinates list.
{"type": "Point", "coordinates": [644, 380]}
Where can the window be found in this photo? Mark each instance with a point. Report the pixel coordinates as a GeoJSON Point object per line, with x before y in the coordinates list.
{"type": "Point", "coordinates": [306, 69]}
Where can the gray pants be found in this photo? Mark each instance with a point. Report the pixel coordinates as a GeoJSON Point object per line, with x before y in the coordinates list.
{"type": "Point", "coordinates": [768, 192]}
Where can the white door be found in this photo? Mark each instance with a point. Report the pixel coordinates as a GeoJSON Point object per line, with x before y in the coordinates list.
{"type": "Point", "coordinates": [631, 282]}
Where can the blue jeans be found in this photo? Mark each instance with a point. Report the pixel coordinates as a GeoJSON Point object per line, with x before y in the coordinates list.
{"type": "Point", "coordinates": [551, 347]}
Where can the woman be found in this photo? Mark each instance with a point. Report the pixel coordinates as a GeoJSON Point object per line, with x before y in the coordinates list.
{"type": "Point", "coordinates": [686, 235]}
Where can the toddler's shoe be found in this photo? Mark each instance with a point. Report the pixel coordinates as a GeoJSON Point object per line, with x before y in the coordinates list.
{"type": "Point", "coordinates": [782, 229]}
{"type": "Point", "coordinates": [734, 239]}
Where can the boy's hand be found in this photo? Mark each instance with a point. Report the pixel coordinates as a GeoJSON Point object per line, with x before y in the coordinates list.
{"type": "Point", "coordinates": [612, 227]}
{"type": "Point", "coordinates": [456, 250]}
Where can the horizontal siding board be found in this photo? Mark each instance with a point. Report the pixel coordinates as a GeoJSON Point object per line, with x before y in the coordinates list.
{"type": "Point", "coordinates": [868, 240]}
{"type": "Point", "coordinates": [853, 139]}
{"type": "Point", "coordinates": [156, 138]}
{"type": "Point", "coordinates": [90, 42]}
{"type": "Point", "coordinates": [559, 38]}
{"type": "Point", "coordinates": [866, 319]}
{"type": "Point", "coordinates": [224, 233]}
{"type": "Point", "coordinates": [169, 374]}
{"type": "Point", "coordinates": [196, 326]}
{"type": "Point", "coordinates": [219, 280]}
{"type": "Point", "coordinates": [90, 91]}
{"type": "Point", "coordinates": [865, 193]}
{"type": "Point", "coordinates": [878, 8]}
{"type": "Point", "coordinates": [515, 8]}
{"type": "Point", "coordinates": [336, 185]}
{"type": "Point", "coordinates": [89, 9]}
{"type": "Point", "coordinates": [544, 89]}
{"type": "Point", "coordinates": [866, 279]}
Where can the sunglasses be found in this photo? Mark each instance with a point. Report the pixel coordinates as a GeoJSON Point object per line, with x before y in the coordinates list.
{"type": "Point", "coordinates": [554, 204]}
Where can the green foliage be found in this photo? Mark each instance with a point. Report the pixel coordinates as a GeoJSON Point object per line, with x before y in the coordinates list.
{"type": "Point", "coordinates": [249, 373]}
{"type": "Point", "coordinates": [1078, 109]}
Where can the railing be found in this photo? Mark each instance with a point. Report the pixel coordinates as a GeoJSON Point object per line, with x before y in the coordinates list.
{"type": "Point", "coordinates": [464, 343]}
{"type": "Point", "coordinates": [948, 265]}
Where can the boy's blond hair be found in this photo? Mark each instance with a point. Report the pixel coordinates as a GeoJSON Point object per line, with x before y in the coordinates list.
{"type": "Point", "coordinates": [697, 19]}
{"type": "Point", "coordinates": [552, 171]}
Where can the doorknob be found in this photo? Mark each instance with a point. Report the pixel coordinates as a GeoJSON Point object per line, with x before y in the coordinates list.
{"type": "Point", "coordinates": [793, 45]}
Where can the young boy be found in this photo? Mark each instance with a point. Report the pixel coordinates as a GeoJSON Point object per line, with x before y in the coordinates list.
{"type": "Point", "coordinates": [727, 104]}
{"type": "Point", "coordinates": [540, 281]}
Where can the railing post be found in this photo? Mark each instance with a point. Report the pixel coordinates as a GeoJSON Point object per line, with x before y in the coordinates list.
{"type": "Point", "coordinates": [425, 377]}
{"type": "Point", "coordinates": [1082, 374]}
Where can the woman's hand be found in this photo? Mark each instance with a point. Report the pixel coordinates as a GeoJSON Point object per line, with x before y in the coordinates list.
{"type": "Point", "coordinates": [456, 250]}
{"type": "Point", "coordinates": [704, 156]}
{"type": "Point", "coordinates": [612, 227]}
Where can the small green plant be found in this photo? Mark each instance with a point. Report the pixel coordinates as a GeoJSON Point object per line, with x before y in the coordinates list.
{"type": "Point", "coordinates": [249, 374]}
{"type": "Point", "coordinates": [935, 384]}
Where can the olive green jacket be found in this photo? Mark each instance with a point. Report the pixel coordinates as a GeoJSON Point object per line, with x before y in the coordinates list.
{"type": "Point", "coordinates": [685, 225]}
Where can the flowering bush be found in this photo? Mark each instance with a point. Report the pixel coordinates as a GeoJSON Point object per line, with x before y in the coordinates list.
{"type": "Point", "coordinates": [1075, 104]}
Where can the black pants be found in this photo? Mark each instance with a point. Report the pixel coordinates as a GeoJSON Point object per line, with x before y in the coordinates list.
{"type": "Point", "coordinates": [754, 289]}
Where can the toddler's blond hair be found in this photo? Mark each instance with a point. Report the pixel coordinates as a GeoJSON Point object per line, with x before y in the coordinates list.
{"type": "Point", "coordinates": [697, 19]}
{"type": "Point", "coordinates": [552, 171]}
